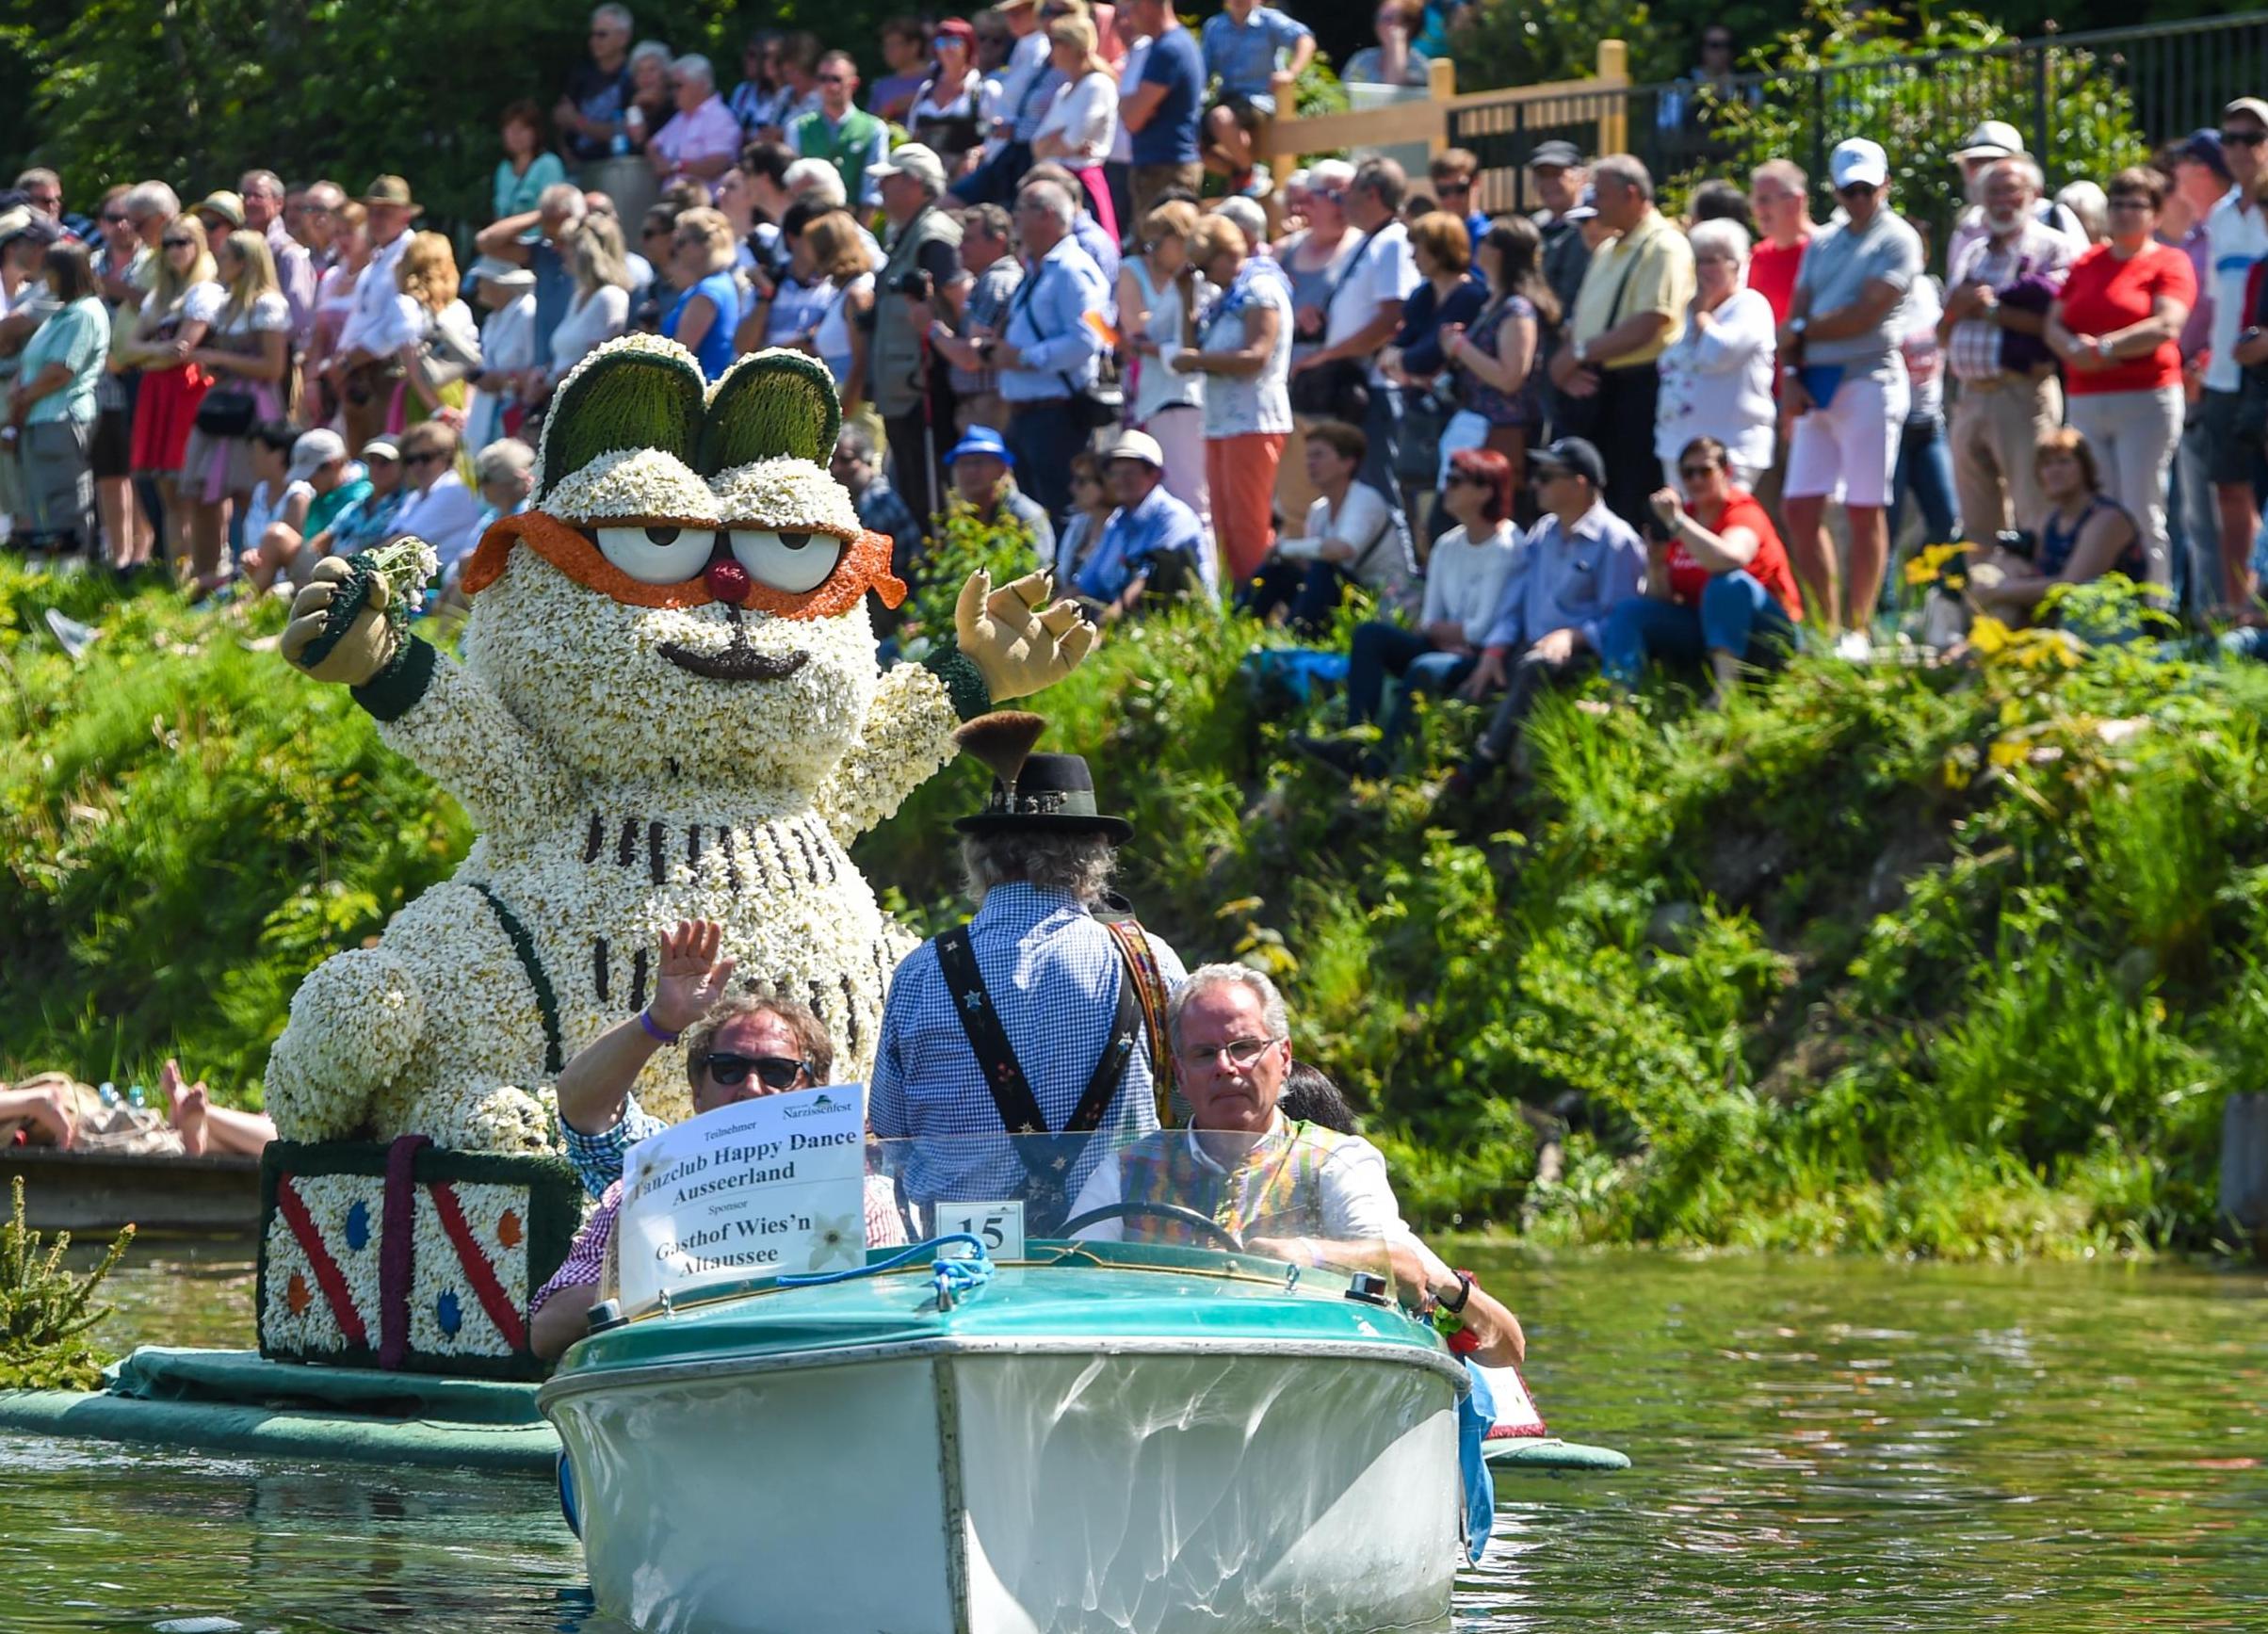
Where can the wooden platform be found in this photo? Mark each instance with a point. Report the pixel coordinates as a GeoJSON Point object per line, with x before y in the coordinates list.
{"type": "Point", "coordinates": [88, 1194]}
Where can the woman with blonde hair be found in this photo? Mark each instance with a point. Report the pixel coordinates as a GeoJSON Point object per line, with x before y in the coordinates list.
{"type": "Point", "coordinates": [248, 352]}
{"type": "Point", "coordinates": [700, 265]}
{"type": "Point", "coordinates": [600, 307]}
{"type": "Point", "coordinates": [1167, 405]}
{"type": "Point", "coordinates": [839, 339]}
{"type": "Point", "coordinates": [1082, 122]}
{"type": "Point", "coordinates": [435, 334]}
{"type": "Point", "coordinates": [1243, 346]}
{"type": "Point", "coordinates": [180, 308]}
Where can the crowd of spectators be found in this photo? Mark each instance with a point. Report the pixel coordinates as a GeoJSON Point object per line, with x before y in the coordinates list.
{"type": "Point", "coordinates": [1056, 286]}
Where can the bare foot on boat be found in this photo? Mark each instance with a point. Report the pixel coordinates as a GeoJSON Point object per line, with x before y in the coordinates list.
{"type": "Point", "coordinates": [184, 1109]}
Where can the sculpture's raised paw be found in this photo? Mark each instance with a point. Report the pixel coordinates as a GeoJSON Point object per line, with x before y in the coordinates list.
{"type": "Point", "coordinates": [1019, 639]}
{"type": "Point", "coordinates": [333, 639]}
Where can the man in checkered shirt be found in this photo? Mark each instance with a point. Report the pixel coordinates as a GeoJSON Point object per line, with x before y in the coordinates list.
{"type": "Point", "coordinates": [1039, 859]}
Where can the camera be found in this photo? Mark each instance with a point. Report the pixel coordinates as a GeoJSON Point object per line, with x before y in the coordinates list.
{"type": "Point", "coordinates": [915, 285]}
{"type": "Point", "coordinates": [2018, 542]}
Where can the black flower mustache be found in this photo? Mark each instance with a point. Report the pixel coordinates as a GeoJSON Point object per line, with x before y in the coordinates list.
{"type": "Point", "coordinates": [738, 661]}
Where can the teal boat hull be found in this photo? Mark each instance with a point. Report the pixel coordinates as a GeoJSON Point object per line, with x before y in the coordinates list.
{"type": "Point", "coordinates": [1134, 1439]}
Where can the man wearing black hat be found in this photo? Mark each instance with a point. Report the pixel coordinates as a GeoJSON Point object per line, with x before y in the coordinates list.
{"type": "Point", "coordinates": [1555, 171]}
{"type": "Point", "coordinates": [1578, 563]}
{"type": "Point", "coordinates": [1036, 1017]}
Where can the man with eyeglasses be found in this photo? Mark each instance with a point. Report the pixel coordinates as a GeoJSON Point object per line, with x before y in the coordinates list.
{"type": "Point", "coordinates": [736, 1049]}
{"type": "Point", "coordinates": [1994, 332]}
{"type": "Point", "coordinates": [1843, 384]}
{"type": "Point", "coordinates": [1037, 1018]}
{"type": "Point", "coordinates": [1295, 1192]}
{"type": "Point", "coordinates": [702, 138]}
{"type": "Point", "coordinates": [2237, 239]}
{"type": "Point", "coordinates": [590, 109]}
{"type": "Point", "coordinates": [843, 134]}
{"type": "Point", "coordinates": [1453, 172]}
{"type": "Point", "coordinates": [1576, 565]}
{"type": "Point", "coordinates": [43, 189]}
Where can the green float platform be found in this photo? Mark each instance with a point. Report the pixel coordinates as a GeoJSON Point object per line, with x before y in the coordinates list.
{"type": "Point", "coordinates": [235, 1401]}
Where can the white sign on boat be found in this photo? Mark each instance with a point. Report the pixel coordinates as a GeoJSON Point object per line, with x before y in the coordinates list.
{"type": "Point", "coordinates": [773, 1185]}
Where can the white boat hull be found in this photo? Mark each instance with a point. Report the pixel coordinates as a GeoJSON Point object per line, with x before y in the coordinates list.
{"type": "Point", "coordinates": [958, 1487]}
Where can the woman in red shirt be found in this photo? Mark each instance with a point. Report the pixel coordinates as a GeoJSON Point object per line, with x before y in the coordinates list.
{"type": "Point", "coordinates": [2116, 325]}
{"type": "Point", "coordinates": [1717, 581]}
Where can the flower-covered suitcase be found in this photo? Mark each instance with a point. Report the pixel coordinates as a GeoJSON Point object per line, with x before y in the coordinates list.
{"type": "Point", "coordinates": [408, 1256]}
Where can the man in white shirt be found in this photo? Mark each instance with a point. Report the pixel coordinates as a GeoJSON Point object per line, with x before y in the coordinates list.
{"type": "Point", "coordinates": [440, 508]}
{"type": "Point", "coordinates": [363, 376]}
{"type": "Point", "coordinates": [2236, 237]}
{"type": "Point", "coordinates": [1365, 311]}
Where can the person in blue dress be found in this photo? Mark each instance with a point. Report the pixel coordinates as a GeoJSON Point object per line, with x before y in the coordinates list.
{"type": "Point", "coordinates": [702, 318]}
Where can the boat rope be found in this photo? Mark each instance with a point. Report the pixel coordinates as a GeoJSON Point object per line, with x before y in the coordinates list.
{"type": "Point", "coordinates": [954, 1275]}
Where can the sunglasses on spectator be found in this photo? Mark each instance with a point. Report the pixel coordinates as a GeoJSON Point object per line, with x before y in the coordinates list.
{"type": "Point", "coordinates": [1474, 477]}
{"type": "Point", "coordinates": [772, 1072]}
{"type": "Point", "coordinates": [2130, 201]}
{"type": "Point", "coordinates": [178, 243]}
{"type": "Point", "coordinates": [117, 219]}
{"type": "Point", "coordinates": [1856, 191]}
{"type": "Point", "coordinates": [833, 79]}
{"type": "Point", "coordinates": [2243, 138]}
{"type": "Point", "coordinates": [1716, 43]}
{"type": "Point", "coordinates": [1451, 185]}
{"type": "Point", "coordinates": [431, 459]}
{"type": "Point", "coordinates": [1695, 473]}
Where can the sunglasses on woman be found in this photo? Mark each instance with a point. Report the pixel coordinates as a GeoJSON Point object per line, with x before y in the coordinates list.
{"type": "Point", "coordinates": [772, 1072]}
{"type": "Point", "coordinates": [1696, 473]}
{"type": "Point", "coordinates": [178, 243]}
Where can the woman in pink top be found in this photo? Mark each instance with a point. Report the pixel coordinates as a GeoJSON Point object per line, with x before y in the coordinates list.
{"type": "Point", "coordinates": [2116, 325]}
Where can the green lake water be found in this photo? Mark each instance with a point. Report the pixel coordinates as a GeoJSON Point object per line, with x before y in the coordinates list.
{"type": "Point", "coordinates": [1818, 1445]}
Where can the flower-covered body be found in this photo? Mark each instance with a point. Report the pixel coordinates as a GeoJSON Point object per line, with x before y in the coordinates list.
{"type": "Point", "coordinates": [668, 708]}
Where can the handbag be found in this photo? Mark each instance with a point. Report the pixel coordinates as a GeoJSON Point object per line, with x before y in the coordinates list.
{"type": "Point", "coordinates": [227, 412]}
{"type": "Point", "coordinates": [1425, 415]}
{"type": "Point", "coordinates": [442, 360]}
{"type": "Point", "coordinates": [1340, 389]}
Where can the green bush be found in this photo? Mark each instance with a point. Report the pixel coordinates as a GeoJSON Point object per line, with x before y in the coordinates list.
{"type": "Point", "coordinates": [1954, 961]}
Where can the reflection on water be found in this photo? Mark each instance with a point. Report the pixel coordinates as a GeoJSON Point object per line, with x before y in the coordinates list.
{"type": "Point", "coordinates": [1819, 1443]}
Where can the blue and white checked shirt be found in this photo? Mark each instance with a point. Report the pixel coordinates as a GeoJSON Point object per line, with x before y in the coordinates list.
{"type": "Point", "coordinates": [1244, 58]}
{"type": "Point", "coordinates": [598, 1159]}
{"type": "Point", "coordinates": [1133, 540]}
{"type": "Point", "coordinates": [1053, 972]}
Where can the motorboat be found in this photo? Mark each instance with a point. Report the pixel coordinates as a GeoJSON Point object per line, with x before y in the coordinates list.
{"type": "Point", "coordinates": [978, 1435]}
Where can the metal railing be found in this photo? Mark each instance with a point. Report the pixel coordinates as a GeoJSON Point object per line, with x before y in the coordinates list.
{"type": "Point", "coordinates": [2165, 80]}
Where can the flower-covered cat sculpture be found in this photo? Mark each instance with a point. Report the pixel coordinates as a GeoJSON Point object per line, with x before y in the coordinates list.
{"type": "Point", "coordinates": [668, 708]}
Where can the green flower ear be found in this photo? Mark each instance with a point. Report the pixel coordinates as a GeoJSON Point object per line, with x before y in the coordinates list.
{"type": "Point", "coordinates": [639, 392]}
{"type": "Point", "coordinates": [770, 405]}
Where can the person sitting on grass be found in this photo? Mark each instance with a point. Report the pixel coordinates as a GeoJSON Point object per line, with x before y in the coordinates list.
{"type": "Point", "coordinates": [2084, 535]}
{"type": "Point", "coordinates": [1578, 563]}
{"type": "Point", "coordinates": [1295, 1192]}
{"type": "Point", "coordinates": [204, 1127]}
{"type": "Point", "coordinates": [1462, 584]}
{"type": "Point", "coordinates": [736, 1049]}
{"type": "Point", "coordinates": [1351, 539]}
{"type": "Point", "coordinates": [1718, 583]}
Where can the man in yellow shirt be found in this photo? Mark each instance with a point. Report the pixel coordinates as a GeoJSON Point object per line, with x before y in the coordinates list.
{"type": "Point", "coordinates": [1632, 307]}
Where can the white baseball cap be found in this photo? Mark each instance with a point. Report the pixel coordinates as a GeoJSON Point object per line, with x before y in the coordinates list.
{"type": "Point", "coordinates": [313, 451]}
{"type": "Point", "coordinates": [916, 160]}
{"type": "Point", "coordinates": [1993, 139]}
{"type": "Point", "coordinates": [1137, 445]}
{"type": "Point", "coordinates": [1859, 162]}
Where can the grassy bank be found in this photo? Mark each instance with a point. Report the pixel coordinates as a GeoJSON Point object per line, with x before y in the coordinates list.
{"type": "Point", "coordinates": [1886, 958]}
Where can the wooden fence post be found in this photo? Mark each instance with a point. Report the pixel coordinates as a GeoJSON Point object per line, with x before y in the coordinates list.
{"type": "Point", "coordinates": [1441, 88]}
{"type": "Point", "coordinates": [1615, 71]}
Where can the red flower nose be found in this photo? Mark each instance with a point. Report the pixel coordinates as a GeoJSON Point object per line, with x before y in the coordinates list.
{"type": "Point", "coordinates": [728, 581]}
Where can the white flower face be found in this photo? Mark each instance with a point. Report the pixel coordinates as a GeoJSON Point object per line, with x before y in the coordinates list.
{"type": "Point", "coordinates": [618, 691]}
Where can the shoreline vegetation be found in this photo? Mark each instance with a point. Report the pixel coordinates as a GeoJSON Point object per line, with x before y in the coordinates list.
{"type": "Point", "coordinates": [1956, 960]}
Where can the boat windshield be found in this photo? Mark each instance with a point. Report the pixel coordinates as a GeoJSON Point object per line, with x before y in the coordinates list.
{"type": "Point", "coordinates": [1237, 1195]}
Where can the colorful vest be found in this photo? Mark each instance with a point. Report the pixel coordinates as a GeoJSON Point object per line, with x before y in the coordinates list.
{"type": "Point", "coordinates": [1276, 1191]}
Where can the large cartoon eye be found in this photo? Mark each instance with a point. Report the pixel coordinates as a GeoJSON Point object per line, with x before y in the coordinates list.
{"type": "Point", "coordinates": [658, 556]}
{"type": "Point", "coordinates": [794, 563]}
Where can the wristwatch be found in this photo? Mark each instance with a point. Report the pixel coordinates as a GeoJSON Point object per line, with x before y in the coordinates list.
{"type": "Point", "coordinates": [2104, 348]}
{"type": "Point", "coordinates": [1797, 325]}
{"type": "Point", "coordinates": [1582, 352]}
